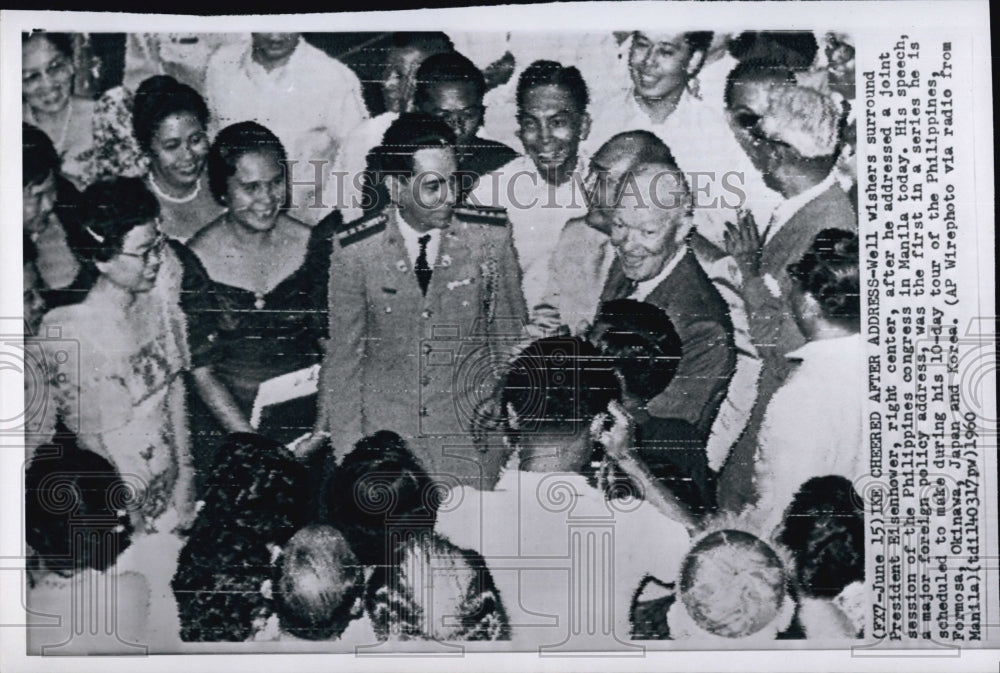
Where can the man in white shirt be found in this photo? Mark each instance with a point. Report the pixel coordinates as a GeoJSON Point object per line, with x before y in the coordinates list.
{"type": "Point", "coordinates": [565, 559]}
{"type": "Point", "coordinates": [542, 190]}
{"type": "Point", "coordinates": [813, 424]}
{"type": "Point", "coordinates": [308, 99]}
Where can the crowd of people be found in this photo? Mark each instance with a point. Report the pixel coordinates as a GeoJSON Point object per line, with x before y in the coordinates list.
{"type": "Point", "coordinates": [559, 346]}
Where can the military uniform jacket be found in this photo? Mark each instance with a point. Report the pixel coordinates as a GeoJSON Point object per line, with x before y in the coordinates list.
{"type": "Point", "coordinates": [399, 360]}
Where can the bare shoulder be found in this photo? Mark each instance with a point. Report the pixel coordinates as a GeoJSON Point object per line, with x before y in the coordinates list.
{"type": "Point", "coordinates": [210, 239]}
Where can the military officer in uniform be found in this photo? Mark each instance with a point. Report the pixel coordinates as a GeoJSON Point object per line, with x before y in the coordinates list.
{"type": "Point", "coordinates": [422, 296]}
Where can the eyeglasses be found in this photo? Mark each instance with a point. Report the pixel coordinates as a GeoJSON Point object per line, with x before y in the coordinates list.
{"type": "Point", "coordinates": [152, 251]}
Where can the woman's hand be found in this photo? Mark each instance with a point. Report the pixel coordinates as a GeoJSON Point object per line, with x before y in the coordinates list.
{"type": "Point", "coordinates": [743, 243]}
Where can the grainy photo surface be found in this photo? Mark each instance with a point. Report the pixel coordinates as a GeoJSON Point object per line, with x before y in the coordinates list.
{"type": "Point", "coordinates": [669, 336]}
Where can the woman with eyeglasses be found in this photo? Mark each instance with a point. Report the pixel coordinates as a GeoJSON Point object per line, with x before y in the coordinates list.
{"type": "Point", "coordinates": [47, 73]}
{"type": "Point", "coordinates": [114, 375]}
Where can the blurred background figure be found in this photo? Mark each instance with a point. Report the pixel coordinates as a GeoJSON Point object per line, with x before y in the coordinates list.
{"type": "Point", "coordinates": [47, 71]}
{"type": "Point", "coordinates": [310, 100]}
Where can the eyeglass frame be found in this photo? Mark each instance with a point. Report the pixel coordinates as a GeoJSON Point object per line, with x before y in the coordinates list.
{"type": "Point", "coordinates": [159, 243]}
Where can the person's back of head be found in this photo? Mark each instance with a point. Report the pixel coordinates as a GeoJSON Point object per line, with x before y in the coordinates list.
{"type": "Point", "coordinates": [76, 511]}
{"type": "Point", "coordinates": [827, 284]}
{"type": "Point", "coordinates": [732, 585]}
{"type": "Point", "coordinates": [642, 344]}
{"type": "Point", "coordinates": [379, 495]}
{"type": "Point", "coordinates": [447, 68]}
{"type": "Point", "coordinates": [824, 529]}
{"type": "Point", "coordinates": [436, 591]}
{"type": "Point", "coordinates": [555, 387]}
{"type": "Point", "coordinates": [319, 584]}
{"type": "Point", "coordinates": [793, 49]}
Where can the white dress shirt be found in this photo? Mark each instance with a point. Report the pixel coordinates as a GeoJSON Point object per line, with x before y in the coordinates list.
{"type": "Point", "coordinates": [813, 424]}
{"type": "Point", "coordinates": [411, 239]}
{"type": "Point", "coordinates": [528, 528]}
{"type": "Point", "coordinates": [537, 212]}
{"type": "Point", "coordinates": [645, 287]}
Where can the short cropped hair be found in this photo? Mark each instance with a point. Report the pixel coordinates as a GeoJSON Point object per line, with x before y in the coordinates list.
{"type": "Point", "coordinates": [39, 158]}
{"type": "Point", "coordinates": [318, 583]}
{"type": "Point", "coordinates": [824, 528]}
{"type": "Point", "coordinates": [159, 97]}
{"type": "Point", "coordinates": [829, 272]}
{"type": "Point", "coordinates": [646, 355]}
{"type": "Point", "coordinates": [732, 583]}
{"type": "Point", "coordinates": [75, 510]}
{"type": "Point", "coordinates": [410, 133]}
{"type": "Point", "coordinates": [233, 142]}
{"type": "Point", "coordinates": [542, 73]}
{"type": "Point", "coordinates": [447, 68]}
{"type": "Point", "coordinates": [380, 486]}
{"type": "Point", "coordinates": [557, 383]}
{"type": "Point", "coordinates": [110, 209]}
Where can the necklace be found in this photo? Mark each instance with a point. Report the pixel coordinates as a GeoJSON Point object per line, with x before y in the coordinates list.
{"type": "Point", "coordinates": [60, 144]}
{"type": "Point", "coordinates": [175, 199]}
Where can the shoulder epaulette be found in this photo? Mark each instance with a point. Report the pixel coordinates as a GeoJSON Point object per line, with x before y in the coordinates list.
{"type": "Point", "coordinates": [360, 229]}
{"type": "Point", "coordinates": [482, 214]}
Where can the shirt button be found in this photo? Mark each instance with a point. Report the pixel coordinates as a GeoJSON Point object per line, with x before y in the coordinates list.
{"type": "Point", "coordinates": [423, 411]}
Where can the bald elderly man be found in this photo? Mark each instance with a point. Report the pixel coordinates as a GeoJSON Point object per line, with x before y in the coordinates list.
{"type": "Point", "coordinates": [649, 230]}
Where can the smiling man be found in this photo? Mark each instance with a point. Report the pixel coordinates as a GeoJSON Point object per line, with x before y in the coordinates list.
{"type": "Point", "coordinates": [544, 189]}
{"type": "Point", "coordinates": [410, 286]}
{"type": "Point", "coordinates": [649, 231]}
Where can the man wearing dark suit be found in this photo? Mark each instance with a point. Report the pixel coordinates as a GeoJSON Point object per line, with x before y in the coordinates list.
{"type": "Point", "coordinates": [421, 294]}
{"type": "Point", "coordinates": [654, 264]}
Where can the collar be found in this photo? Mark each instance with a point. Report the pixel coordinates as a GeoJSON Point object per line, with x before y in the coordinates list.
{"type": "Point", "coordinates": [827, 349]}
{"type": "Point", "coordinates": [411, 239]}
{"type": "Point", "coordinates": [786, 209]}
{"type": "Point", "coordinates": [646, 287]}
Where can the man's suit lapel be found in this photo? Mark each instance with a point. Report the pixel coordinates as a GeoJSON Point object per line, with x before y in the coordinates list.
{"type": "Point", "coordinates": [616, 285]}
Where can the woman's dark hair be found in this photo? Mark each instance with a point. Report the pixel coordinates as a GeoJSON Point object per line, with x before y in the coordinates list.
{"type": "Point", "coordinates": [429, 41]}
{"type": "Point", "coordinates": [824, 528]}
{"type": "Point", "coordinates": [829, 272]}
{"type": "Point", "coordinates": [159, 97]}
{"type": "Point", "coordinates": [255, 498]}
{"type": "Point", "coordinates": [317, 584]}
{"type": "Point", "coordinates": [63, 42]}
{"type": "Point", "coordinates": [76, 510]}
{"type": "Point", "coordinates": [642, 343]}
{"type": "Point", "coordinates": [232, 143]}
{"type": "Point", "coordinates": [699, 40]}
{"type": "Point", "coordinates": [542, 73]}
{"type": "Point", "coordinates": [39, 158]}
{"type": "Point", "coordinates": [110, 209]}
{"type": "Point", "coordinates": [380, 493]}
{"type": "Point", "coordinates": [557, 383]}
{"type": "Point", "coordinates": [447, 68]}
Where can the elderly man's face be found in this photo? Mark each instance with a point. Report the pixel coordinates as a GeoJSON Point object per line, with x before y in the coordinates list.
{"type": "Point", "coordinates": [607, 169]}
{"type": "Point", "coordinates": [646, 237]}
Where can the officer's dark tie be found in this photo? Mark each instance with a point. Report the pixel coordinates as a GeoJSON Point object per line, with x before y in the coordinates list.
{"type": "Point", "coordinates": [422, 268]}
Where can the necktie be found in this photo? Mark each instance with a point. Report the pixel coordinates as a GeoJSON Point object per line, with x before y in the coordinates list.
{"type": "Point", "coordinates": [630, 287]}
{"type": "Point", "coordinates": [422, 268]}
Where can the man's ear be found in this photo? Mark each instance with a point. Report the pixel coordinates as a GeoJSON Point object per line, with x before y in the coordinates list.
{"type": "Point", "coordinates": [393, 185]}
{"type": "Point", "coordinates": [585, 122]}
